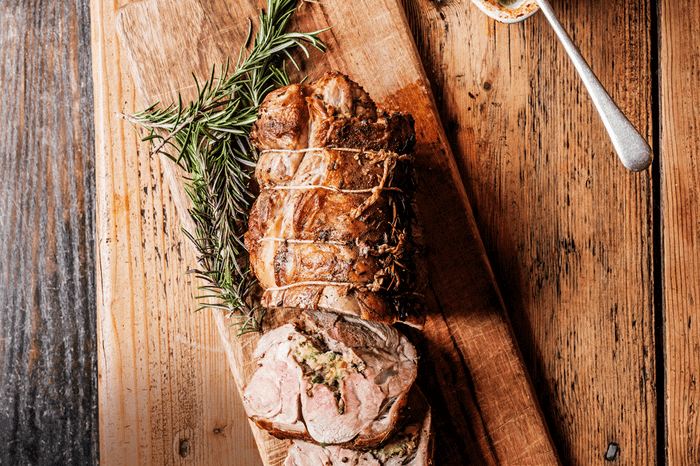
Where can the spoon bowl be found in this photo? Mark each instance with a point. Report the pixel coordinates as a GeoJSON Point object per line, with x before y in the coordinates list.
{"type": "Point", "coordinates": [506, 11]}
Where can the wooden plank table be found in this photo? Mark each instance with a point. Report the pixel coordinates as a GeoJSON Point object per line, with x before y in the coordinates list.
{"type": "Point", "coordinates": [599, 268]}
{"type": "Point", "coordinates": [571, 233]}
{"type": "Point", "coordinates": [484, 407]}
{"type": "Point", "coordinates": [48, 340]}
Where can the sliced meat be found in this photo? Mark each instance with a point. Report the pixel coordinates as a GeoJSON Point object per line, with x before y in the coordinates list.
{"type": "Point", "coordinates": [273, 390]}
{"type": "Point", "coordinates": [410, 446]}
{"type": "Point", "coordinates": [332, 379]}
{"type": "Point", "coordinates": [361, 400]}
{"type": "Point", "coordinates": [310, 454]}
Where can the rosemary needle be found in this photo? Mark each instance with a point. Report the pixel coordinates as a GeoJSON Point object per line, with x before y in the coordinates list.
{"type": "Point", "coordinates": [208, 139]}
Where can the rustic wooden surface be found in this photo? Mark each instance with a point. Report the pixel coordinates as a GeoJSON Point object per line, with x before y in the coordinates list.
{"type": "Point", "coordinates": [583, 358]}
{"type": "Point", "coordinates": [166, 392]}
{"type": "Point", "coordinates": [485, 408]}
{"type": "Point", "coordinates": [48, 345]}
{"type": "Point", "coordinates": [680, 230]}
{"type": "Point", "coordinates": [570, 232]}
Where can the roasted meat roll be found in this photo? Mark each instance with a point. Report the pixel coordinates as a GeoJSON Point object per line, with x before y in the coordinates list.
{"type": "Point", "coordinates": [332, 226]}
{"type": "Point", "coordinates": [332, 379]}
{"type": "Point", "coordinates": [412, 445]}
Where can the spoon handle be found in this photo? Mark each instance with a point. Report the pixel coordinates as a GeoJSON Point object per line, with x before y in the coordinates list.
{"type": "Point", "coordinates": [631, 147]}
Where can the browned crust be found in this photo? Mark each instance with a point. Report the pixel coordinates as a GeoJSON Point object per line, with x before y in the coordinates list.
{"type": "Point", "coordinates": [280, 434]}
{"type": "Point", "coordinates": [431, 447]}
{"type": "Point", "coordinates": [285, 116]}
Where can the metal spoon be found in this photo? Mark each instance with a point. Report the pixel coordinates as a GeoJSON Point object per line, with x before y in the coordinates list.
{"type": "Point", "coordinates": [631, 147]}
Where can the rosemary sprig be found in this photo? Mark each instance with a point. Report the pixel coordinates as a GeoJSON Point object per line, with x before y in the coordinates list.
{"type": "Point", "coordinates": [209, 138]}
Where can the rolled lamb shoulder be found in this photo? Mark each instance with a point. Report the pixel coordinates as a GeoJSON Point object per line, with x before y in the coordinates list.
{"type": "Point", "coordinates": [331, 241]}
{"type": "Point", "coordinates": [332, 226]}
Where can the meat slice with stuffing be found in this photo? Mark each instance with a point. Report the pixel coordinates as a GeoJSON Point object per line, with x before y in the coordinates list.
{"type": "Point", "coordinates": [410, 446]}
{"type": "Point", "coordinates": [331, 379]}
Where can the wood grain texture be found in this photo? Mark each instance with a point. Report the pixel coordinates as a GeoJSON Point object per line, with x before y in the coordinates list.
{"type": "Point", "coordinates": [48, 377]}
{"type": "Point", "coordinates": [166, 392]}
{"type": "Point", "coordinates": [568, 229]}
{"type": "Point", "coordinates": [485, 407]}
{"type": "Point", "coordinates": [680, 172]}
{"type": "Point", "coordinates": [48, 405]}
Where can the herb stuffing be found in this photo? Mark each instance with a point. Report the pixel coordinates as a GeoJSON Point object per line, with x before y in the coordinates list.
{"type": "Point", "coordinates": [403, 445]}
{"type": "Point", "coordinates": [325, 367]}
{"type": "Point", "coordinates": [208, 138]}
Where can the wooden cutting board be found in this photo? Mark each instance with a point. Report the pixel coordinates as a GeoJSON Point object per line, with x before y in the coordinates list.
{"type": "Point", "coordinates": [484, 407]}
